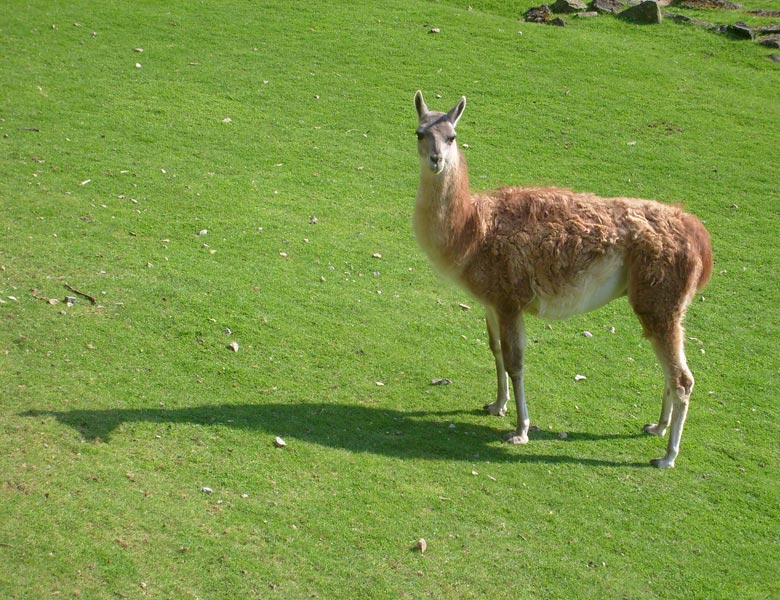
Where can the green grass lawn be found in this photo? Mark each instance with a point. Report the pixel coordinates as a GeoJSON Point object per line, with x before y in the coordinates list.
{"type": "Point", "coordinates": [245, 172]}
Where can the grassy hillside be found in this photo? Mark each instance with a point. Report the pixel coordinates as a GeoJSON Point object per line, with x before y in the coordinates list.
{"type": "Point", "coordinates": [245, 172]}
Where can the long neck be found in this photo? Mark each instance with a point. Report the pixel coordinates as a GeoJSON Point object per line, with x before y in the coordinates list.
{"type": "Point", "coordinates": [445, 222]}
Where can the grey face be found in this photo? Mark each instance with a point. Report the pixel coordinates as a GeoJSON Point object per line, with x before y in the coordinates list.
{"type": "Point", "coordinates": [436, 134]}
{"type": "Point", "coordinates": [435, 141]}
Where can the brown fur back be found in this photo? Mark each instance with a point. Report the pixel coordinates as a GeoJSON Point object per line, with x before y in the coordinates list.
{"type": "Point", "coordinates": [538, 241]}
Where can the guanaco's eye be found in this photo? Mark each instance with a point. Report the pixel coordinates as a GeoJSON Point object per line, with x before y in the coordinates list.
{"type": "Point", "coordinates": [420, 134]}
{"type": "Point", "coordinates": [451, 139]}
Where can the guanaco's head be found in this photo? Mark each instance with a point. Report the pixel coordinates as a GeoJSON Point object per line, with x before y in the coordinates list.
{"type": "Point", "coordinates": [436, 135]}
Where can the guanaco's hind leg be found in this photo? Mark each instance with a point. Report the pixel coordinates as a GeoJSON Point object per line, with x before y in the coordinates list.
{"type": "Point", "coordinates": [678, 385]}
{"type": "Point", "coordinates": [497, 408]}
{"type": "Point", "coordinates": [512, 334]}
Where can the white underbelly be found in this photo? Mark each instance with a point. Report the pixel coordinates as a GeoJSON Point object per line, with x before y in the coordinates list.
{"type": "Point", "coordinates": [601, 283]}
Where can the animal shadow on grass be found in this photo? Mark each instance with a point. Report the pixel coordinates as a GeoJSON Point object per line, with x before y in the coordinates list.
{"type": "Point", "coordinates": [355, 428]}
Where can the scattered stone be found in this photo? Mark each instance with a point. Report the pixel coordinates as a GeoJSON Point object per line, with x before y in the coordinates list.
{"type": "Point", "coordinates": [716, 4]}
{"type": "Point", "coordinates": [740, 30]}
{"type": "Point", "coordinates": [279, 442]}
{"type": "Point", "coordinates": [441, 381]}
{"type": "Point", "coordinates": [762, 12]}
{"type": "Point", "coordinates": [422, 545]}
{"type": "Point", "coordinates": [645, 13]}
{"type": "Point", "coordinates": [608, 6]}
{"type": "Point", "coordinates": [771, 41]}
{"type": "Point", "coordinates": [563, 435]}
{"type": "Point", "coordinates": [464, 306]}
{"type": "Point", "coordinates": [580, 378]}
{"type": "Point", "coordinates": [538, 14]}
{"type": "Point", "coordinates": [689, 20]}
{"type": "Point", "coordinates": [435, 30]}
{"type": "Point", "coordinates": [233, 346]}
{"type": "Point", "coordinates": [568, 6]}
{"type": "Point", "coordinates": [206, 490]}
{"type": "Point", "coordinates": [586, 15]}
{"type": "Point", "coordinates": [558, 22]}
{"type": "Point", "coordinates": [767, 30]}
{"type": "Point", "coordinates": [587, 334]}
{"type": "Point", "coordinates": [774, 58]}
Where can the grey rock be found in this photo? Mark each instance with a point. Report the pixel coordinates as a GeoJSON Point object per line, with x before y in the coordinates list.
{"type": "Point", "coordinates": [687, 19]}
{"type": "Point", "coordinates": [568, 6]}
{"type": "Point", "coordinates": [767, 30]}
{"type": "Point", "coordinates": [708, 4]}
{"type": "Point", "coordinates": [740, 30]}
{"type": "Point", "coordinates": [608, 6]}
{"type": "Point", "coordinates": [538, 14]}
{"type": "Point", "coordinates": [647, 12]}
{"type": "Point", "coordinates": [770, 41]}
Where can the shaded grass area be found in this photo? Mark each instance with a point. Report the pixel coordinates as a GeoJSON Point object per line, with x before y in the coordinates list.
{"type": "Point", "coordinates": [248, 120]}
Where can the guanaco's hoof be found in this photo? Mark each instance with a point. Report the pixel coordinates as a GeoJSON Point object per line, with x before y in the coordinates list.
{"type": "Point", "coordinates": [494, 409]}
{"type": "Point", "coordinates": [516, 438]}
{"type": "Point", "coordinates": [654, 429]}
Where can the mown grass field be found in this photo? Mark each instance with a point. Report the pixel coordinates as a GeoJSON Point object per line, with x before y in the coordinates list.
{"type": "Point", "coordinates": [221, 172]}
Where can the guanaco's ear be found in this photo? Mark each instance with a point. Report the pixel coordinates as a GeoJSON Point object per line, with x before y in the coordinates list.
{"type": "Point", "coordinates": [455, 114]}
{"type": "Point", "coordinates": [419, 104]}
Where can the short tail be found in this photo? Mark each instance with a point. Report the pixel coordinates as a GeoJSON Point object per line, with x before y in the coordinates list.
{"type": "Point", "coordinates": [701, 247]}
